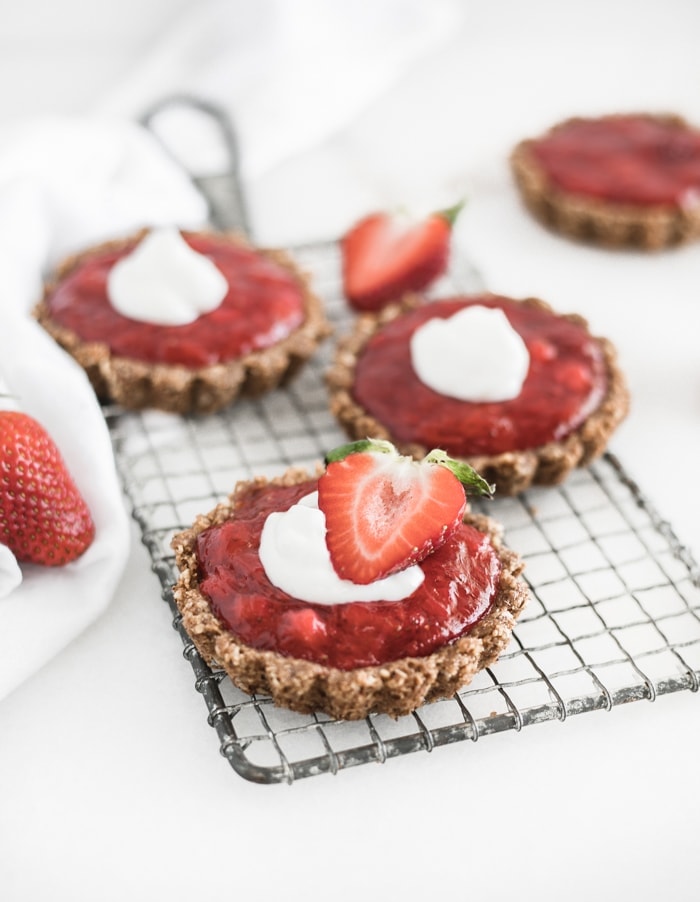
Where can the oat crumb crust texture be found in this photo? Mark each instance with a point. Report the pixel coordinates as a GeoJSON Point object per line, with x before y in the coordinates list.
{"type": "Point", "coordinates": [395, 688]}
{"type": "Point", "coordinates": [139, 385]}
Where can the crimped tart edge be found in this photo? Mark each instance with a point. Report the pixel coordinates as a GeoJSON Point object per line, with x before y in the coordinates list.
{"type": "Point", "coordinates": [592, 220]}
{"type": "Point", "coordinates": [138, 385]}
{"type": "Point", "coordinates": [512, 471]}
{"type": "Point", "coordinates": [395, 688]}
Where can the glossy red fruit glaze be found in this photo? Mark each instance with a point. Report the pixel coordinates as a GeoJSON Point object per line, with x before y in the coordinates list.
{"type": "Point", "coordinates": [264, 304]}
{"type": "Point", "coordinates": [461, 579]}
{"type": "Point", "coordinates": [636, 160]}
{"type": "Point", "coordinates": [565, 383]}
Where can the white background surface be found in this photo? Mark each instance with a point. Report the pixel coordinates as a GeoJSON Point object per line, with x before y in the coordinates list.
{"type": "Point", "coordinates": [110, 783]}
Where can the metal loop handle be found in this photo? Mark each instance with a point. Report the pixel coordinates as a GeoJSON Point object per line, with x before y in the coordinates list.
{"type": "Point", "coordinates": [222, 190]}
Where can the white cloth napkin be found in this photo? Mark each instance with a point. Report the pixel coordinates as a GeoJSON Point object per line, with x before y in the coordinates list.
{"type": "Point", "coordinates": [66, 183]}
{"type": "Point", "coordinates": [52, 605]}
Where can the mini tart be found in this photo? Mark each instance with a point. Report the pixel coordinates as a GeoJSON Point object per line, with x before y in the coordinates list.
{"type": "Point", "coordinates": [375, 391]}
{"type": "Point", "coordinates": [617, 181]}
{"type": "Point", "coordinates": [395, 687]}
{"type": "Point", "coordinates": [198, 368]}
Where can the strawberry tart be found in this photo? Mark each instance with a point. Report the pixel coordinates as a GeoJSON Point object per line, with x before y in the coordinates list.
{"type": "Point", "coordinates": [363, 588]}
{"type": "Point", "coordinates": [184, 322]}
{"type": "Point", "coordinates": [520, 392]}
{"type": "Point", "coordinates": [625, 180]}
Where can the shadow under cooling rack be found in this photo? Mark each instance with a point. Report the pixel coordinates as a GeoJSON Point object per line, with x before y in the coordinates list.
{"type": "Point", "coordinates": [614, 609]}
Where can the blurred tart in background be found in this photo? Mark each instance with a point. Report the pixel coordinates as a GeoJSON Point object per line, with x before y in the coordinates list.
{"type": "Point", "coordinates": [624, 180]}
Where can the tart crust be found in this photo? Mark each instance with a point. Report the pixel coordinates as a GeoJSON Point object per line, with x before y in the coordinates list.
{"type": "Point", "coordinates": [137, 385]}
{"type": "Point", "coordinates": [511, 471]}
{"type": "Point", "coordinates": [395, 688]}
{"type": "Point", "coordinates": [597, 221]}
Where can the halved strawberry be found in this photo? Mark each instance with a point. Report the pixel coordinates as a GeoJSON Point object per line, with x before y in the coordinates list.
{"type": "Point", "coordinates": [383, 258]}
{"type": "Point", "coordinates": [385, 512]}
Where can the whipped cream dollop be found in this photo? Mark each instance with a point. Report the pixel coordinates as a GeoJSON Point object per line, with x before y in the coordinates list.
{"type": "Point", "coordinates": [296, 559]}
{"type": "Point", "coordinates": [473, 355]}
{"type": "Point", "coordinates": [164, 281]}
{"type": "Point", "coordinates": [10, 574]}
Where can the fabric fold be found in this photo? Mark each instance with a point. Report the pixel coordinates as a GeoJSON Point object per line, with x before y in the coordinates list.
{"type": "Point", "coordinates": [68, 182]}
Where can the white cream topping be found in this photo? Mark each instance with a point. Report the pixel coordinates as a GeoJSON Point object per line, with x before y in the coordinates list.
{"type": "Point", "coordinates": [164, 281]}
{"type": "Point", "coordinates": [296, 559]}
{"type": "Point", "coordinates": [474, 355]}
{"type": "Point", "coordinates": [10, 574]}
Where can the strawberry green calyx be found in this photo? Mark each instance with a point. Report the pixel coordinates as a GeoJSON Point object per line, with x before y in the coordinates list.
{"type": "Point", "coordinates": [451, 213]}
{"type": "Point", "coordinates": [473, 483]}
{"type": "Point", "coordinates": [362, 446]}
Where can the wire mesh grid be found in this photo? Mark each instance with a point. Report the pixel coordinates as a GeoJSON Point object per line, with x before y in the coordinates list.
{"type": "Point", "coordinates": [614, 608]}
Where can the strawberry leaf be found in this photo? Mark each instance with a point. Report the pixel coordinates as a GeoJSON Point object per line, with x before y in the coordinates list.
{"type": "Point", "coordinates": [451, 213]}
{"type": "Point", "coordinates": [473, 483]}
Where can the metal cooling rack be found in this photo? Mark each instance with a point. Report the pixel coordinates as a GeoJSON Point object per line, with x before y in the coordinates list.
{"type": "Point", "coordinates": [614, 613]}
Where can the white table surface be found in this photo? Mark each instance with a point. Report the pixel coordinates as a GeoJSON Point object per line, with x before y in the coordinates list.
{"type": "Point", "coordinates": [111, 786]}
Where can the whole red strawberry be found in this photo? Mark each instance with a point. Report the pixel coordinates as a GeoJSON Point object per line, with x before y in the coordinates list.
{"type": "Point", "coordinates": [385, 512]}
{"type": "Point", "coordinates": [384, 258]}
{"type": "Point", "coordinates": [43, 517]}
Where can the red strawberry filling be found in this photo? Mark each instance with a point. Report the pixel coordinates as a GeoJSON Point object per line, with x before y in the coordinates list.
{"type": "Point", "coordinates": [566, 381]}
{"type": "Point", "coordinates": [461, 580]}
{"type": "Point", "coordinates": [264, 304]}
{"type": "Point", "coordinates": [626, 159]}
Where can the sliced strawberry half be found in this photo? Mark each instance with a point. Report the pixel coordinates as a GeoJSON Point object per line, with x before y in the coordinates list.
{"type": "Point", "coordinates": [383, 257]}
{"type": "Point", "coordinates": [385, 512]}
